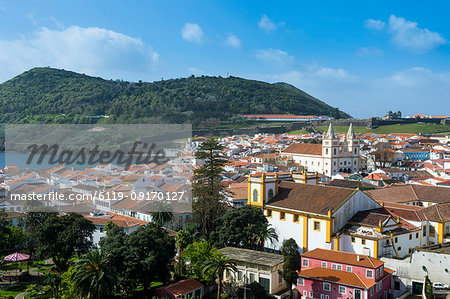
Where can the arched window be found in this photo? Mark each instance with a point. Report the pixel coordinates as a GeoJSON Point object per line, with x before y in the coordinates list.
{"type": "Point", "coordinates": [255, 195]}
{"type": "Point", "coordinates": [335, 151]}
{"type": "Point", "coordinates": [270, 193]}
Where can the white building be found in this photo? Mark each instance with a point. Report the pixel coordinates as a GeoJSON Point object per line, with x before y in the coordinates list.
{"type": "Point", "coordinates": [330, 157]}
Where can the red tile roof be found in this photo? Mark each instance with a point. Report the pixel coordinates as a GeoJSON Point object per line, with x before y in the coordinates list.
{"type": "Point", "coordinates": [343, 257]}
{"type": "Point", "coordinates": [337, 276]}
{"type": "Point", "coordinates": [304, 148]}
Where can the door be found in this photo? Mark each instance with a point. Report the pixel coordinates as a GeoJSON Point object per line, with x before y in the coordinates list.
{"type": "Point", "coordinates": [417, 288]}
{"type": "Point", "coordinates": [357, 294]}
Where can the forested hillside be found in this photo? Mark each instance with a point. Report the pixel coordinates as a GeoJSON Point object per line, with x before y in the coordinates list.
{"type": "Point", "coordinates": [52, 95]}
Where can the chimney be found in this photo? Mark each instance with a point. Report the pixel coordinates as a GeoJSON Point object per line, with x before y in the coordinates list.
{"type": "Point", "coordinates": [358, 258]}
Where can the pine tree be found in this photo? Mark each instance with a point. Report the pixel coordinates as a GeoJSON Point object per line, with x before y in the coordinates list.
{"type": "Point", "coordinates": [208, 194]}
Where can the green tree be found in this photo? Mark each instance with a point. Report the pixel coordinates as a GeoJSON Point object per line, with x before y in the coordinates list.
{"type": "Point", "coordinates": [114, 246]}
{"type": "Point", "coordinates": [61, 237]}
{"type": "Point", "coordinates": [151, 252]}
{"type": "Point", "coordinates": [141, 257]}
{"type": "Point", "coordinates": [245, 227]}
{"type": "Point", "coordinates": [291, 257]}
{"type": "Point", "coordinates": [182, 240]}
{"type": "Point", "coordinates": [54, 281]}
{"type": "Point", "coordinates": [217, 265]}
{"type": "Point", "coordinates": [428, 288]}
{"type": "Point", "coordinates": [208, 193]}
{"type": "Point", "coordinates": [194, 256]}
{"type": "Point", "coordinates": [93, 277]}
{"type": "Point", "coordinates": [162, 213]}
{"type": "Point", "coordinates": [266, 233]}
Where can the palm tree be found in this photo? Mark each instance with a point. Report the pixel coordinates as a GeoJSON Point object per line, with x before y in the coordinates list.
{"type": "Point", "coordinates": [265, 233]}
{"type": "Point", "coordinates": [163, 213]}
{"type": "Point", "coordinates": [92, 276]}
{"type": "Point", "coordinates": [217, 265]}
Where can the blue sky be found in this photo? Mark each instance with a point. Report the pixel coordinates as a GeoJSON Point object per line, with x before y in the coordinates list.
{"type": "Point", "coordinates": [365, 57]}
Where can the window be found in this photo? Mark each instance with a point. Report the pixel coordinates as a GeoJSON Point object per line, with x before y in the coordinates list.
{"type": "Point", "coordinates": [353, 239]}
{"type": "Point", "coordinates": [324, 264]}
{"type": "Point", "coordinates": [349, 269]}
{"type": "Point", "coordinates": [371, 291]}
{"type": "Point", "coordinates": [322, 296]}
{"type": "Point", "coordinates": [379, 286]}
{"type": "Point", "coordinates": [417, 235]}
{"type": "Point", "coordinates": [432, 231]}
{"type": "Point", "coordinates": [270, 193]}
{"type": "Point", "coordinates": [399, 248]}
{"type": "Point", "coordinates": [239, 275]}
{"type": "Point", "coordinates": [300, 281]}
{"type": "Point", "coordinates": [252, 277]}
{"type": "Point", "coordinates": [255, 195]}
{"type": "Point", "coordinates": [326, 152]}
{"type": "Point", "coordinates": [265, 282]}
{"type": "Point", "coordinates": [326, 286]}
{"type": "Point", "coordinates": [369, 273]}
{"type": "Point", "coordinates": [396, 240]}
{"type": "Point", "coordinates": [410, 236]}
{"type": "Point", "coordinates": [377, 273]}
{"type": "Point", "coordinates": [317, 225]}
{"type": "Point", "coordinates": [381, 270]}
{"type": "Point", "coordinates": [363, 241]}
{"type": "Point", "coordinates": [280, 278]}
{"type": "Point", "coordinates": [305, 263]}
{"type": "Point", "coordinates": [269, 213]}
{"type": "Point", "coordinates": [305, 293]}
{"type": "Point", "coordinates": [311, 294]}
{"type": "Point", "coordinates": [336, 266]}
{"type": "Point", "coordinates": [424, 230]}
{"type": "Point", "coordinates": [387, 242]}
{"type": "Point", "coordinates": [295, 218]}
{"type": "Point", "coordinates": [282, 215]}
{"type": "Point", "coordinates": [342, 290]}
{"type": "Point", "coordinates": [410, 250]}
{"type": "Point", "coordinates": [335, 151]}
{"type": "Point", "coordinates": [396, 285]}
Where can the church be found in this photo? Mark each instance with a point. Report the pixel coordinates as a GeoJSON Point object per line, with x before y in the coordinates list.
{"type": "Point", "coordinates": [332, 156]}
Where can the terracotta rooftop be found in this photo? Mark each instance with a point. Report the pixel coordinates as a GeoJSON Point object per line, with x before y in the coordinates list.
{"type": "Point", "coordinates": [304, 148]}
{"type": "Point", "coordinates": [182, 287]}
{"type": "Point", "coordinates": [315, 199]}
{"type": "Point", "coordinates": [371, 217]}
{"type": "Point", "coordinates": [343, 257]}
{"type": "Point", "coordinates": [438, 212]}
{"type": "Point", "coordinates": [117, 219]}
{"type": "Point", "coordinates": [406, 193]}
{"type": "Point", "coordinates": [343, 277]}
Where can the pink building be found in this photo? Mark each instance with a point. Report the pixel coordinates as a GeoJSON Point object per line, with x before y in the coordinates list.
{"type": "Point", "coordinates": [328, 274]}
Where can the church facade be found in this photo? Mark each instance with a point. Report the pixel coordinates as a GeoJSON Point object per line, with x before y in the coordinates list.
{"type": "Point", "coordinates": [332, 156]}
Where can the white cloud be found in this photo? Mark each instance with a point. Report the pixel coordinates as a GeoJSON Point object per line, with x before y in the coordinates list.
{"type": "Point", "coordinates": [93, 50]}
{"type": "Point", "coordinates": [375, 24]}
{"type": "Point", "coordinates": [266, 23]}
{"type": "Point", "coordinates": [275, 57]}
{"type": "Point", "coordinates": [369, 51]}
{"type": "Point", "coordinates": [406, 34]}
{"type": "Point", "coordinates": [233, 41]}
{"type": "Point", "coordinates": [403, 90]}
{"type": "Point", "coordinates": [192, 33]}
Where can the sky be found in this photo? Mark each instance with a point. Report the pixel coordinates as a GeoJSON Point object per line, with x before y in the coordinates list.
{"type": "Point", "coordinates": [364, 57]}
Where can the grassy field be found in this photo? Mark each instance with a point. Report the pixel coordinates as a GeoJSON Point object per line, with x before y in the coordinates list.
{"type": "Point", "coordinates": [406, 128]}
{"type": "Point", "coordinates": [298, 132]}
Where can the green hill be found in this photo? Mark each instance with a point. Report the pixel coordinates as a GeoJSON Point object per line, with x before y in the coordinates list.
{"type": "Point", "coordinates": [52, 95]}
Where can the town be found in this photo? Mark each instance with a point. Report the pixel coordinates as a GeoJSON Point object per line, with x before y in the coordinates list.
{"type": "Point", "coordinates": [333, 215]}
